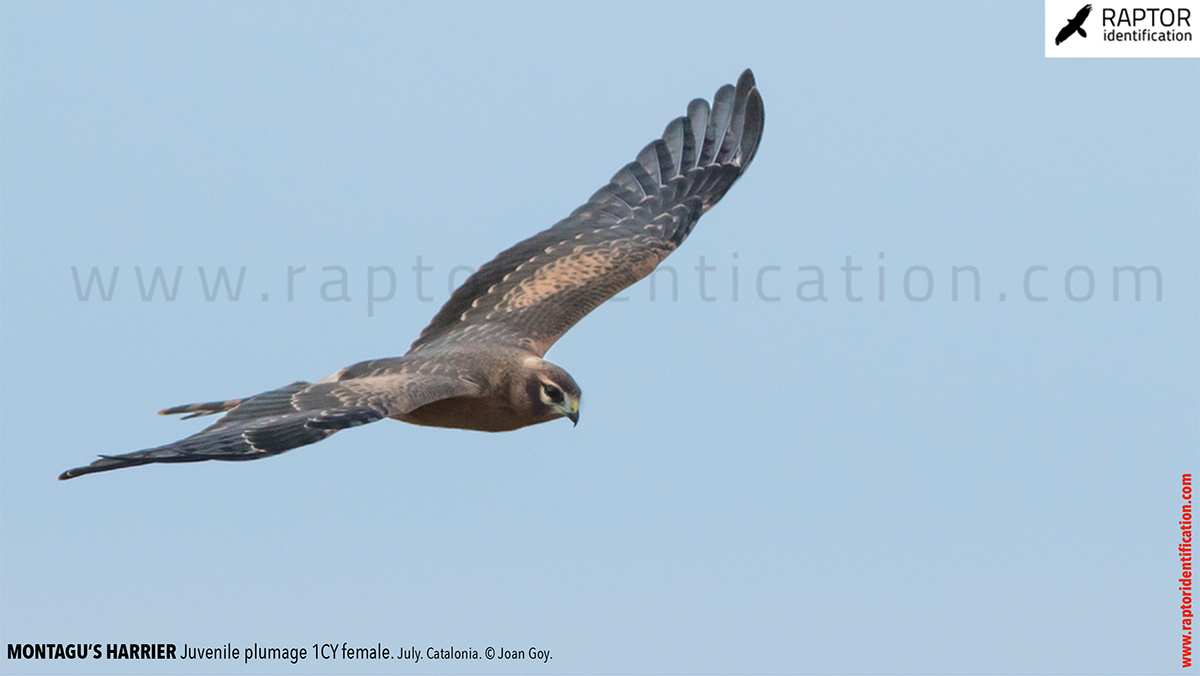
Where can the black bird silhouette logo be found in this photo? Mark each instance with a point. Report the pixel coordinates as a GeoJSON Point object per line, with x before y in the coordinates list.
{"type": "Point", "coordinates": [1074, 25]}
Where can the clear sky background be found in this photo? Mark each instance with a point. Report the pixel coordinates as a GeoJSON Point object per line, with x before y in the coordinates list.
{"type": "Point", "coordinates": [755, 486]}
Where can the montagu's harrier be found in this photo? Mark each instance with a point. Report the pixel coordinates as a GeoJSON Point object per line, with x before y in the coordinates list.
{"type": "Point", "coordinates": [478, 365]}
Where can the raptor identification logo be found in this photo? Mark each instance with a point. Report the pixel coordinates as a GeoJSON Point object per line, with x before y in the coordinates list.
{"type": "Point", "coordinates": [1130, 29]}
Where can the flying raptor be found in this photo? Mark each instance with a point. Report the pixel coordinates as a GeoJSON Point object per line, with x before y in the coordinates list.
{"type": "Point", "coordinates": [478, 365]}
{"type": "Point", "coordinates": [1073, 25]}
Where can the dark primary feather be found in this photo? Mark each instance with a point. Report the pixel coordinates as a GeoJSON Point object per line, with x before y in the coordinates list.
{"type": "Point", "coordinates": [198, 410]}
{"type": "Point", "coordinates": [532, 293]}
{"type": "Point", "coordinates": [298, 414]}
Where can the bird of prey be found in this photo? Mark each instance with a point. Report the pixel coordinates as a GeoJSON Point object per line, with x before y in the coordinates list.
{"type": "Point", "coordinates": [1074, 25]}
{"type": "Point", "coordinates": [478, 365]}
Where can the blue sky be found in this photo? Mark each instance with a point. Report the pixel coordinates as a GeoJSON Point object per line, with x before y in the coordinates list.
{"type": "Point", "coordinates": [764, 486]}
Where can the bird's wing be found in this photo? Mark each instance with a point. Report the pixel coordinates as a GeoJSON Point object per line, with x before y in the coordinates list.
{"type": "Point", "coordinates": [1082, 15]}
{"type": "Point", "coordinates": [299, 414]}
{"type": "Point", "coordinates": [531, 294]}
{"type": "Point", "coordinates": [1064, 33]}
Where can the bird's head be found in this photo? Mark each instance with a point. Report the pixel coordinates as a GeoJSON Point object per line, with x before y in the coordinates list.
{"type": "Point", "coordinates": [551, 391]}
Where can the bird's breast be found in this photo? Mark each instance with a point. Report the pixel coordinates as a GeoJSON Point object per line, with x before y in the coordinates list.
{"type": "Point", "coordinates": [486, 414]}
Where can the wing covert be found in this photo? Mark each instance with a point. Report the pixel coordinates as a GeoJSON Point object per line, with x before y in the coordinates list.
{"type": "Point", "coordinates": [532, 293]}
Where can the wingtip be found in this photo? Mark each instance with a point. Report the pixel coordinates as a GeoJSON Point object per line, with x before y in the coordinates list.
{"type": "Point", "coordinates": [103, 463]}
{"type": "Point", "coordinates": [752, 131]}
{"type": "Point", "coordinates": [86, 469]}
{"type": "Point", "coordinates": [746, 79]}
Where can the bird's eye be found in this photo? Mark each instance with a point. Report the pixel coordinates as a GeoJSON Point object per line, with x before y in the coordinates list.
{"type": "Point", "coordinates": [554, 393]}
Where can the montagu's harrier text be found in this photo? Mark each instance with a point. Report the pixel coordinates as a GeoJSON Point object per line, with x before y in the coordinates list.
{"type": "Point", "coordinates": [478, 365]}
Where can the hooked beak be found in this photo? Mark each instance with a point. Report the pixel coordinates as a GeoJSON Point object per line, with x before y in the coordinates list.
{"type": "Point", "coordinates": [573, 412]}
